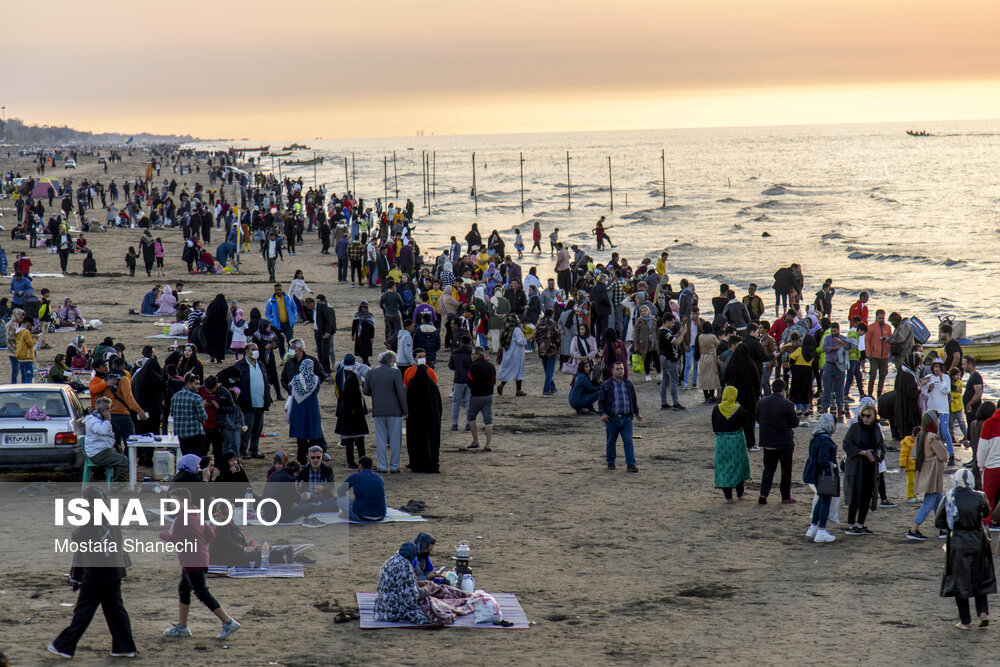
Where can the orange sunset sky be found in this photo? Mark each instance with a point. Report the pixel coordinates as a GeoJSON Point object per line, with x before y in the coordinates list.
{"type": "Point", "coordinates": [387, 68]}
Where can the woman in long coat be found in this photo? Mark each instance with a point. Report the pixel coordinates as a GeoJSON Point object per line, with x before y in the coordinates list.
{"type": "Point", "coordinates": [513, 342]}
{"type": "Point", "coordinates": [968, 571]}
{"type": "Point", "coordinates": [708, 362]}
{"type": "Point", "coordinates": [743, 373]}
{"type": "Point", "coordinates": [906, 415]}
{"type": "Point", "coordinates": [214, 328]}
{"type": "Point", "coordinates": [352, 427]}
{"type": "Point", "coordinates": [864, 447]}
{"type": "Point", "coordinates": [423, 422]}
{"type": "Point", "coordinates": [304, 421]}
{"type": "Point", "coordinates": [614, 351]}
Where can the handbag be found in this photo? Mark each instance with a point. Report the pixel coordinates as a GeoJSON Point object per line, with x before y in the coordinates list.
{"type": "Point", "coordinates": [638, 364]}
{"type": "Point", "coordinates": [828, 484]}
{"type": "Point", "coordinates": [570, 367]}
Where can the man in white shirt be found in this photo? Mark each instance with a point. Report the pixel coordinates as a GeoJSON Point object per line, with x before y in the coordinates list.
{"type": "Point", "coordinates": [100, 440]}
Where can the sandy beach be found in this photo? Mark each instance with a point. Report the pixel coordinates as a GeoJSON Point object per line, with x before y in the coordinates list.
{"type": "Point", "coordinates": [610, 567]}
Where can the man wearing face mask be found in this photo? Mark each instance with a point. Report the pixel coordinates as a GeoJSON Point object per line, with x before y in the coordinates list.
{"type": "Point", "coordinates": [255, 399]}
{"type": "Point", "coordinates": [419, 359]}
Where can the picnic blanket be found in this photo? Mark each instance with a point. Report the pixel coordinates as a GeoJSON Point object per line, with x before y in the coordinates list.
{"type": "Point", "coordinates": [392, 515]}
{"type": "Point", "coordinates": [279, 570]}
{"type": "Point", "coordinates": [64, 329]}
{"type": "Point", "coordinates": [161, 335]}
{"type": "Point", "coordinates": [509, 607]}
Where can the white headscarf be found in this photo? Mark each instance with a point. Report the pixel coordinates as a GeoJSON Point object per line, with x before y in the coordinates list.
{"type": "Point", "coordinates": [963, 480]}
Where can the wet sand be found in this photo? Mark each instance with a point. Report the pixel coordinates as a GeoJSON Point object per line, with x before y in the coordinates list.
{"type": "Point", "coordinates": [611, 567]}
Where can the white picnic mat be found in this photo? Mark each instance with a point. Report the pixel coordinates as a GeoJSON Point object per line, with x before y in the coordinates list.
{"type": "Point", "coordinates": [510, 608]}
{"type": "Point", "coordinates": [161, 335]}
{"type": "Point", "coordinates": [278, 570]}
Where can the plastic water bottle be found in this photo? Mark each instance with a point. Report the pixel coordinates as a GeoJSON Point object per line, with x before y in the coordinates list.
{"type": "Point", "coordinates": [265, 556]}
{"type": "Point", "coordinates": [170, 425]}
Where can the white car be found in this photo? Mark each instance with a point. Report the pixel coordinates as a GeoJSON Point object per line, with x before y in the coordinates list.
{"type": "Point", "coordinates": [69, 164]}
{"type": "Point", "coordinates": [53, 444]}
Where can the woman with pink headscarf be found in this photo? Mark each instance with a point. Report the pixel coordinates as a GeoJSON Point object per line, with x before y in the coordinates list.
{"type": "Point", "coordinates": [167, 302]}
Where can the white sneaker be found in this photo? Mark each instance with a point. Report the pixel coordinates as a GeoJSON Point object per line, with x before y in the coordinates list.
{"type": "Point", "coordinates": [823, 536]}
{"type": "Point", "coordinates": [647, 377]}
{"type": "Point", "coordinates": [812, 531]}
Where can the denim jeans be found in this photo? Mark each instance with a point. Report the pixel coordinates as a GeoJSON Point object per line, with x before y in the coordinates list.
{"type": "Point", "coordinates": [287, 333]}
{"type": "Point", "coordinates": [550, 368]}
{"type": "Point", "coordinates": [765, 379]}
{"type": "Point", "coordinates": [614, 427]}
{"type": "Point", "coordinates": [945, 432]}
{"type": "Point", "coordinates": [854, 374]}
{"type": "Point", "coordinates": [929, 505]}
{"type": "Point", "coordinates": [460, 398]}
{"type": "Point", "coordinates": [668, 378]}
{"type": "Point", "coordinates": [27, 370]}
{"type": "Point", "coordinates": [833, 381]}
{"type": "Point", "coordinates": [821, 510]}
{"type": "Point", "coordinates": [690, 368]}
{"type": "Point", "coordinates": [13, 369]}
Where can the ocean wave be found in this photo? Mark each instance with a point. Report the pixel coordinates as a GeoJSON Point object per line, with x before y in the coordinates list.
{"type": "Point", "coordinates": [918, 259]}
{"type": "Point", "coordinates": [728, 200]}
{"type": "Point", "coordinates": [887, 200]}
{"type": "Point", "coordinates": [770, 203]}
{"type": "Point", "coordinates": [830, 236]}
{"type": "Point", "coordinates": [736, 228]}
{"type": "Point", "coordinates": [638, 215]}
{"type": "Point", "coordinates": [761, 218]}
{"type": "Point", "coordinates": [745, 211]}
{"type": "Point", "coordinates": [776, 190]}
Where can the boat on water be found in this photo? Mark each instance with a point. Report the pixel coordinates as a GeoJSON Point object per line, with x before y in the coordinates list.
{"type": "Point", "coordinates": [985, 347]}
{"type": "Point", "coordinates": [295, 147]}
{"type": "Point", "coordinates": [918, 133]}
{"type": "Point", "coordinates": [279, 154]}
{"type": "Point", "coordinates": [303, 163]}
{"type": "Point", "coordinates": [258, 149]}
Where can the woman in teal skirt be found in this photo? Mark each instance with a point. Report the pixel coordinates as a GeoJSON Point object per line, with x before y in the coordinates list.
{"type": "Point", "coordinates": [732, 462]}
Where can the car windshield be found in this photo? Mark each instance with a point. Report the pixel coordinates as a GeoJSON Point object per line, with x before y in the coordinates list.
{"type": "Point", "coordinates": [15, 404]}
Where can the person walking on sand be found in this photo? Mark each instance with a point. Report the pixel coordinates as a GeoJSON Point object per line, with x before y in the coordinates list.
{"type": "Point", "coordinates": [732, 463]}
{"type": "Point", "coordinates": [618, 406]}
{"type": "Point", "coordinates": [482, 377]}
{"type": "Point", "coordinates": [930, 454]}
{"type": "Point", "coordinates": [968, 571]}
{"type": "Point", "coordinates": [194, 566]}
{"type": "Point", "coordinates": [385, 385]}
{"type": "Point", "coordinates": [99, 578]}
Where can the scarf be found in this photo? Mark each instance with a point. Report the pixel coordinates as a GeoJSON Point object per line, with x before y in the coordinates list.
{"type": "Point", "coordinates": [189, 462]}
{"type": "Point", "coordinates": [728, 405]}
{"type": "Point", "coordinates": [963, 480]}
{"type": "Point", "coordinates": [825, 425]}
{"type": "Point", "coordinates": [364, 316]}
{"type": "Point", "coordinates": [305, 383]}
{"type": "Point", "coordinates": [509, 324]}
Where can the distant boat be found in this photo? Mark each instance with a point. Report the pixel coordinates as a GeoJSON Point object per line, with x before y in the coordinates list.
{"type": "Point", "coordinates": [233, 149]}
{"type": "Point", "coordinates": [295, 147]}
{"type": "Point", "coordinates": [918, 133]}
{"type": "Point", "coordinates": [282, 154]}
{"type": "Point", "coordinates": [303, 163]}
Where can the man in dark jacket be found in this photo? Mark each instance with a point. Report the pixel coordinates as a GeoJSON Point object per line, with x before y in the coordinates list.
{"type": "Point", "coordinates": [618, 405]}
{"type": "Point", "coordinates": [516, 298]}
{"type": "Point", "coordinates": [427, 338]}
{"type": "Point", "coordinates": [784, 284]}
{"type": "Point", "coordinates": [600, 303]}
{"type": "Point", "coordinates": [325, 326]}
{"type": "Point", "coordinates": [776, 416]}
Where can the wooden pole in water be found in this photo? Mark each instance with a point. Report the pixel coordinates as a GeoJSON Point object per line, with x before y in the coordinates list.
{"type": "Point", "coordinates": [663, 172]}
{"type": "Point", "coordinates": [354, 177]}
{"type": "Point", "coordinates": [475, 190]}
{"type": "Point", "coordinates": [395, 174]}
{"type": "Point", "coordinates": [434, 181]}
{"type": "Point", "coordinates": [385, 179]}
{"type": "Point", "coordinates": [347, 180]}
{"type": "Point", "coordinates": [569, 186]}
{"type": "Point", "coordinates": [522, 183]}
{"type": "Point", "coordinates": [611, 184]}
{"type": "Point", "coordinates": [314, 169]}
{"type": "Point", "coordinates": [423, 176]}
{"type": "Point", "coordinates": [427, 171]}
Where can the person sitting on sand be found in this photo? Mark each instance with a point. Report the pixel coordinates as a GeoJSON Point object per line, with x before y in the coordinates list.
{"type": "Point", "coordinates": [401, 599]}
{"type": "Point", "coordinates": [167, 302]}
{"type": "Point", "coordinates": [369, 494]}
{"type": "Point", "coordinates": [89, 265]}
{"type": "Point", "coordinates": [69, 314]}
{"type": "Point", "coordinates": [148, 306]}
{"type": "Point", "coordinates": [81, 243]}
{"type": "Point", "coordinates": [424, 568]}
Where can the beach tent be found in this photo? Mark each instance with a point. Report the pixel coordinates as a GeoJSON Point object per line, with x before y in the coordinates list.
{"type": "Point", "coordinates": [41, 190]}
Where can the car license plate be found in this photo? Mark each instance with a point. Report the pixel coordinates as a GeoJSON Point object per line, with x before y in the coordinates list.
{"type": "Point", "coordinates": [23, 439]}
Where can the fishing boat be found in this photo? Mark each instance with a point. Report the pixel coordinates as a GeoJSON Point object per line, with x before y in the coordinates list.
{"type": "Point", "coordinates": [918, 133]}
{"type": "Point", "coordinates": [303, 163]}
{"type": "Point", "coordinates": [985, 347]}
{"type": "Point", "coordinates": [281, 154]}
{"type": "Point", "coordinates": [295, 147]}
{"type": "Point", "coordinates": [259, 149]}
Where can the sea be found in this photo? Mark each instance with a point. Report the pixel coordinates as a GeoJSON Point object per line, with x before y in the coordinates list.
{"type": "Point", "coordinates": [915, 221]}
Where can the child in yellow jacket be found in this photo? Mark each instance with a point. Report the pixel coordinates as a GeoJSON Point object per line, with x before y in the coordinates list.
{"type": "Point", "coordinates": [908, 464]}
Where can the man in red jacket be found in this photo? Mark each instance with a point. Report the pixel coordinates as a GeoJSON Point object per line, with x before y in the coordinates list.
{"type": "Point", "coordinates": [859, 309]}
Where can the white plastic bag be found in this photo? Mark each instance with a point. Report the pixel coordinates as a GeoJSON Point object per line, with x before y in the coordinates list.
{"type": "Point", "coordinates": [834, 514]}
{"type": "Point", "coordinates": [486, 608]}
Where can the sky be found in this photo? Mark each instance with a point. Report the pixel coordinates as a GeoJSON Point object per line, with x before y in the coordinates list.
{"type": "Point", "coordinates": [333, 68]}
